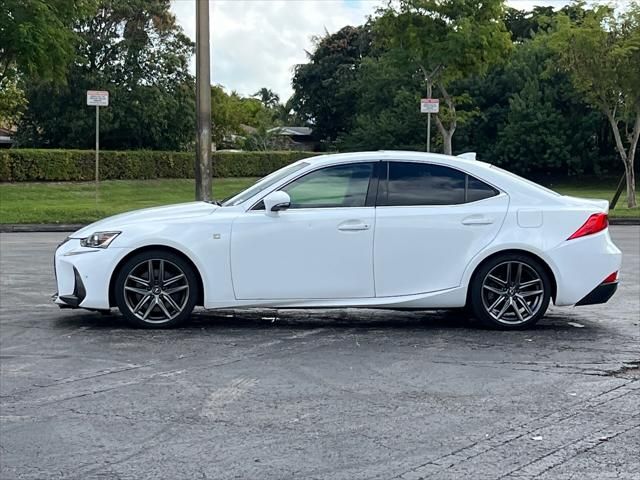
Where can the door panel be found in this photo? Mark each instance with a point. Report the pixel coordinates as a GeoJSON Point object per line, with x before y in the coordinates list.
{"type": "Point", "coordinates": [303, 254]}
{"type": "Point", "coordinates": [419, 249]}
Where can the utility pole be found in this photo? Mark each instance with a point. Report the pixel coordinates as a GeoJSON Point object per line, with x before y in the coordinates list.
{"type": "Point", "coordinates": [429, 118]}
{"type": "Point", "coordinates": [203, 103]}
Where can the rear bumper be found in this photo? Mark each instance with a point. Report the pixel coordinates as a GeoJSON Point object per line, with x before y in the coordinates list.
{"type": "Point", "coordinates": [601, 294]}
{"type": "Point", "coordinates": [581, 265]}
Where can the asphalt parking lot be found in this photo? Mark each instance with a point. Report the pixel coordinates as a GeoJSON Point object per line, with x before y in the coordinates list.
{"type": "Point", "coordinates": [314, 394]}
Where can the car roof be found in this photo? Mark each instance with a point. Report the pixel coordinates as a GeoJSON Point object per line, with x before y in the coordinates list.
{"type": "Point", "coordinates": [504, 180]}
{"type": "Point", "coordinates": [399, 155]}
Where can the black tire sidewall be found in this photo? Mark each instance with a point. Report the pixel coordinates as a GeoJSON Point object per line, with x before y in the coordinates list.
{"type": "Point", "coordinates": [132, 262]}
{"type": "Point", "coordinates": [475, 296]}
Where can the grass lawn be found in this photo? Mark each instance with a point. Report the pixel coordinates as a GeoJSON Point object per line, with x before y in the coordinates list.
{"type": "Point", "coordinates": [76, 203]}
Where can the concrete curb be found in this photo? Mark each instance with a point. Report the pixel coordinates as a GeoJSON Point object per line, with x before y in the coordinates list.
{"type": "Point", "coordinates": [40, 227]}
{"type": "Point", "coordinates": [624, 221]}
{"type": "Point", "coordinates": [72, 227]}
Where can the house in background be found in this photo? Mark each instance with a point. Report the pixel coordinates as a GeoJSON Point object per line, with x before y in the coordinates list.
{"type": "Point", "coordinates": [6, 138]}
{"type": "Point", "coordinates": [295, 138]}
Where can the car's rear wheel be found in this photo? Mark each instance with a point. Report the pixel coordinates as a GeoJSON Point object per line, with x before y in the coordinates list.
{"type": "Point", "coordinates": [156, 289]}
{"type": "Point", "coordinates": [510, 291]}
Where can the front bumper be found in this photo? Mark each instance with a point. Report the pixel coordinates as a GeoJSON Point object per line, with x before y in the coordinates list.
{"type": "Point", "coordinates": [77, 296]}
{"type": "Point", "coordinates": [83, 275]}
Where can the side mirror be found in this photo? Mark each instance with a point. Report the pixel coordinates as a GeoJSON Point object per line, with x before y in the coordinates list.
{"type": "Point", "coordinates": [276, 201]}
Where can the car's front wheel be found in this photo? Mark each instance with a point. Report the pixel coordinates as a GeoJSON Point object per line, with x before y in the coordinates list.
{"type": "Point", "coordinates": [510, 291]}
{"type": "Point", "coordinates": [156, 289]}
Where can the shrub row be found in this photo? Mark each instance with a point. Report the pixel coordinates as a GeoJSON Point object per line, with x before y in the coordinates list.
{"type": "Point", "coordinates": [37, 165]}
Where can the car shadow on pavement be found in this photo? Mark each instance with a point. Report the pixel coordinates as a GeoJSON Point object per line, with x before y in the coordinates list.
{"type": "Point", "coordinates": [303, 319]}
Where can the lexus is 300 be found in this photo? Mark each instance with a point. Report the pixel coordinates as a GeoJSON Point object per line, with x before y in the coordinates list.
{"type": "Point", "coordinates": [376, 229]}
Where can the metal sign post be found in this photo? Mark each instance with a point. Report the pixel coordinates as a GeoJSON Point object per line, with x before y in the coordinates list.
{"type": "Point", "coordinates": [97, 98]}
{"type": "Point", "coordinates": [429, 106]}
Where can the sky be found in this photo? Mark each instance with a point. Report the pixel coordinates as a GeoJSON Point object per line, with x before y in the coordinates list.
{"type": "Point", "coordinates": [256, 43]}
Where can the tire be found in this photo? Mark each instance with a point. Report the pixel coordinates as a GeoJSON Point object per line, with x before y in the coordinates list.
{"type": "Point", "coordinates": [510, 291]}
{"type": "Point", "coordinates": [156, 289]}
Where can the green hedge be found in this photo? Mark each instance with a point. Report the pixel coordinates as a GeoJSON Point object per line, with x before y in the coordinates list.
{"type": "Point", "coordinates": [37, 165]}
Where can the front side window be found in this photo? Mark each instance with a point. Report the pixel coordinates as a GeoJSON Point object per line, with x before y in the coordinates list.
{"type": "Point", "coordinates": [336, 186]}
{"type": "Point", "coordinates": [411, 184]}
{"type": "Point", "coordinates": [264, 183]}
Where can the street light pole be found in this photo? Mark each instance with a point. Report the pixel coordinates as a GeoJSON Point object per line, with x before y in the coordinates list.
{"type": "Point", "coordinates": [203, 103]}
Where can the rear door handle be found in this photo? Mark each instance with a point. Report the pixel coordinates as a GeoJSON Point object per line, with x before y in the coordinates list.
{"type": "Point", "coordinates": [353, 226]}
{"type": "Point", "coordinates": [477, 220]}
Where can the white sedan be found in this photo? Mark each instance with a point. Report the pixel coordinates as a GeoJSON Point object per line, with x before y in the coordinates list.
{"type": "Point", "coordinates": [377, 230]}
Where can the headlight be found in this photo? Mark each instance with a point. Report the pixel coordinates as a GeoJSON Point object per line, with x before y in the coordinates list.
{"type": "Point", "coordinates": [99, 239]}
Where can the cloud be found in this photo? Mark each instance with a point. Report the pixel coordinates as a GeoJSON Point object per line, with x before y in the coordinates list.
{"type": "Point", "coordinates": [256, 43]}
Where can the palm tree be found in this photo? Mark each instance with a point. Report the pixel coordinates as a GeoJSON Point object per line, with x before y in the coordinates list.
{"type": "Point", "coordinates": [268, 97]}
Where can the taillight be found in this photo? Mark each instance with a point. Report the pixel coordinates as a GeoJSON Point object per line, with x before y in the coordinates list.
{"type": "Point", "coordinates": [611, 278]}
{"type": "Point", "coordinates": [594, 224]}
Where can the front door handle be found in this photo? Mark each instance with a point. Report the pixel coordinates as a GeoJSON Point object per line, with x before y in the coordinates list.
{"type": "Point", "coordinates": [353, 226]}
{"type": "Point", "coordinates": [477, 220]}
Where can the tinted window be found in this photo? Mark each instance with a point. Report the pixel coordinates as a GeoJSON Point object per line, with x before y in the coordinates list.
{"type": "Point", "coordinates": [427, 184]}
{"type": "Point", "coordinates": [423, 184]}
{"type": "Point", "coordinates": [478, 190]}
{"type": "Point", "coordinates": [338, 186]}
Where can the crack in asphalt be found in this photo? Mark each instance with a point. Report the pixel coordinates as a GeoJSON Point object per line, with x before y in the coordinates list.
{"type": "Point", "coordinates": [527, 431]}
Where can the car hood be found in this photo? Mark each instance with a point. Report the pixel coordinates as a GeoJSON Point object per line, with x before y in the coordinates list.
{"type": "Point", "coordinates": [156, 214]}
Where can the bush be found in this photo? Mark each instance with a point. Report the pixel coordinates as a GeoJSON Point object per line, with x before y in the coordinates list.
{"type": "Point", "coordinates": [36, 165]}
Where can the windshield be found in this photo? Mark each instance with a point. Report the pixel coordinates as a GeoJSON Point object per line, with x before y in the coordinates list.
{"type": "Point", "coordinates": [264, 183]}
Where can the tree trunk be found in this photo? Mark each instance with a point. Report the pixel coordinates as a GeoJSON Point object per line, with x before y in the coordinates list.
{"type": "Point", "coordinates": [447, 141]}
{"type": "Point", "coordinates": [627, 157]}
{"type": "Point", "coordinates": [631, 184]}
{"type": "Point", "coordinates": [447, 133]}
{"type": "Point", "coordinates": [629, 166]}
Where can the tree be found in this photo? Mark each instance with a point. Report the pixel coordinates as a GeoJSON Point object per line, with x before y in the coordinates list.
{"type": "Point", "coordinates": [36, 36]}
{"type": "Point", "coordinates": [446, 40]}
{"type": "Point", "coordinates": [601, 53]}
{"type": "Point", "coordinates": [323, 87]}
{"type": "Point", "coordinates": [385, 118]}
{"type": "Point", "coordinates": [232, 114]}
{"type": "Point", "coordinates": [530, 119]}
{"type": "Point", "coordinates": [36, 39]}
{"type": "Point", "coordinates": [268, 97]}
{"type": "Point", "coordinates": [136, 51]}
{"type": "Point", "coordinates": [12, 102]}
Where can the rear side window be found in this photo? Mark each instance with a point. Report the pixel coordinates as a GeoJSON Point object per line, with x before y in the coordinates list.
{"type": "Point", "coordinates": [478, 190]}
{"type": "Point", "coordinates": [427, 184]}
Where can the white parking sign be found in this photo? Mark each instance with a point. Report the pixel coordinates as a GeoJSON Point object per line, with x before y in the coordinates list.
{"type": "Point", "coordinates": [429, 105]}
{"type": "Point", "coordinates": [98, 98]}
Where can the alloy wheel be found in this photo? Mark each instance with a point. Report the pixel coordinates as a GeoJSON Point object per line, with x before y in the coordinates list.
{"type": "Point", "coordinates": [156, 291]}
{"type": "Point", "coordinates": [512, 292]}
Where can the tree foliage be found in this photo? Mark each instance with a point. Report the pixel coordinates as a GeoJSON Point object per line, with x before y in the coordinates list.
{"type": "Point", "coordinates": [446, 40]}
{"type": "Point", "coordinates": [136, 51]}
{"type": "Point", "coordinates": [36, 40]}
{"type": "Point", "coordinates": [323, 87]}
{"type": "Point", "coordinates": [36, 36]}
{"type": "Point", "coordinates": [601, 53]}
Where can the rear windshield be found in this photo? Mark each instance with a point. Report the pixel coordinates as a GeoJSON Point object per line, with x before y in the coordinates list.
{"type": "Point", "coordinates": [529, 182]}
